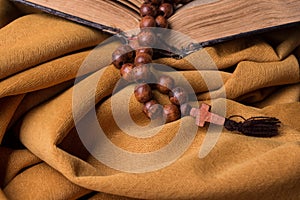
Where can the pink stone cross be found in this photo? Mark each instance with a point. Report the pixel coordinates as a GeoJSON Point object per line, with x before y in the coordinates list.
{"type": "Point", "coordinates": [203, 115]}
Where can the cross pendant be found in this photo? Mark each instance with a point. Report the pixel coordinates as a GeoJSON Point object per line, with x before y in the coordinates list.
{"type": "Point", "coordinates": [203, 115]}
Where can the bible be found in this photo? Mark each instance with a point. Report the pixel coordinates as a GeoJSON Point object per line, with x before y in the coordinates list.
{"type": "Point", "coordinates": [205, 21]}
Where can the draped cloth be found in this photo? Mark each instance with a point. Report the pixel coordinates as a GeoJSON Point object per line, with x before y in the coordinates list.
{"type": "Point", "coordinates": [43, 157]}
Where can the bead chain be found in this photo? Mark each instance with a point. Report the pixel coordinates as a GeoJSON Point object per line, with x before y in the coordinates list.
{"type": "Point", "coordinates": [133, 65]}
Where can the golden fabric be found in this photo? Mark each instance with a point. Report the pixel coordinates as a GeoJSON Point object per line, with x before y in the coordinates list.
{"type": "Point", "coordinates": [42, 156]}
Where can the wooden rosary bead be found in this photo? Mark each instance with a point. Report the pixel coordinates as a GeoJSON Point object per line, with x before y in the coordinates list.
{"type": "Point", "coordinates": [147, 21]}
{"type": "Point", "coordinates": [165, 84]}
{"type": "Point", "coordinates": [161, 21]}
{"type": "Point", "coordinates": [129, 51]}
{"type": "Point", "coordinates": [146, 38]}
{"type": "Point", "coordinates": [171, 112]}
{"type": "Point", "coordinates": [148, 51]}
{"type": "Point", "coordinates": [185, 109]}
{"type": "Point", "coordinates": [166, 10]}
{"type": "Point", "coordinates": [148, 104]}
{"type": "Point", "coordinates": [152, 109]}
{"type": "Point", "coordinates": [142, 58]}
{"type": "Point", "coordinates": [141, 73]}
{"type": "Point", "coordinates": [134, 43]}
{"type": "Point", "coordinates": [126, 72]}
{"type": "Point", "coordinates": [122, 55]}
{"type": "Point", "coordinates": [178, 96]}
{"type": "Point", "coordinates": [143, 93]}
{"type": "Point", "coordinates": [148, 9]}
{"type": "Point", "coordinates": [118, 58]}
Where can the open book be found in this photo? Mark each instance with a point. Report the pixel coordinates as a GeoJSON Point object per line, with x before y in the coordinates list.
{"type": "Point", "coordinates": [206, 21]}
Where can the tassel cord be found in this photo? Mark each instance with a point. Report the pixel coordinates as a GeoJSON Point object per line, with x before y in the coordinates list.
{"type": "Point", "coordinates": [255, 126]}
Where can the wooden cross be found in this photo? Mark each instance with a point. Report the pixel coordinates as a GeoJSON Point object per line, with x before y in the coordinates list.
{"type": "Point", "coordinates": [203, 115]}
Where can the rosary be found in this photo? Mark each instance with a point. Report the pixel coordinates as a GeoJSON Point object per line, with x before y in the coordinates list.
{"type": "Point", "coordinates": [134, 67]}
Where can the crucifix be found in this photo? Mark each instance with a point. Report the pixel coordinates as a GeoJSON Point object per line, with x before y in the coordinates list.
{"type": "Point", "coordinates": [203, 115]}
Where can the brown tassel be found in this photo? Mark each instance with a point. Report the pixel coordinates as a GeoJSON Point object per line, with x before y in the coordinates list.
{"type": "Point", "coordinates": [254, 126]}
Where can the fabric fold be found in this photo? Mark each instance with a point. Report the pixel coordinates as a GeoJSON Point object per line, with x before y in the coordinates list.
{"type": "Point", "coordinates": [53, 79]}
{"type": "Point", "coordinates": [36, 38]}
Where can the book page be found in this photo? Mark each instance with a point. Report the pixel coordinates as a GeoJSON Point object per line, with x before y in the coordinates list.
{"type": "Point", "coordinates": [227, 18]}
{"type": "Point", "coordinates": [112, 14]}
